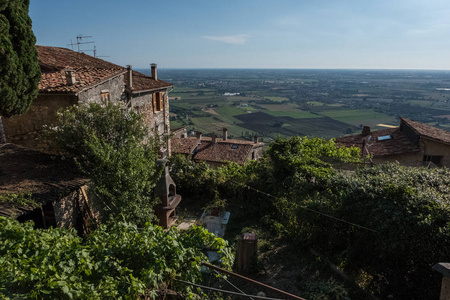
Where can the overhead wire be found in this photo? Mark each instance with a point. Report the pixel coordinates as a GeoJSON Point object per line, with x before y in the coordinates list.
{"type": "Point", "coordinates": [225, 291]}
{"type": "Point", "coordinates": [310, 209]}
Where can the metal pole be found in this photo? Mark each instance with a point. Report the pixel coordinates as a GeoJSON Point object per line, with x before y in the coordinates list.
{"type": "Point", "coordinates": [290, 296]}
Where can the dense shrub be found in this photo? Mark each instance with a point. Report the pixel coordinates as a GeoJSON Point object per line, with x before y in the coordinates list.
{"type": "Point", "coordinates": [401, 215]}
{"type": "Point", "coordinates": [110, 146]}
{"type": "Point", "coordinates": [119, 262]}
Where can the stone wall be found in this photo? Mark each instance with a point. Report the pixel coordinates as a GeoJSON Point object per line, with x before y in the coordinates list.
{"type": "Point", "coordinates": [430, 147]}
{"type": "Point", "coordinates": [114, 86]}
{"type": "Point", "coordinates": [25, 129]}
{"type": "Point", "coordinates": [159, 120]}
{"type": "Point", "coordinates": [66, 210]}
{"type": "Point", "coordinates": [427, 147]}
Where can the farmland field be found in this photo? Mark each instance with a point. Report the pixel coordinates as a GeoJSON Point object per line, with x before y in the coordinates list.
{"type": "Point", "coordinates": [326, 103]}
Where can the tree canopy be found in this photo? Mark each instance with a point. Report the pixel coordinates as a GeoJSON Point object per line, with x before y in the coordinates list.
{"type": "Point", "coordinates": [110, 147]}
{"type": "Point", "coordinates": [19, 67]}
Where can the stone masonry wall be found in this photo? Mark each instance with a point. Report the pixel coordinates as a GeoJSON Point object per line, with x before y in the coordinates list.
{"type": "Point", "coordinates": [65, 209]}
{"type": "Point", "coordinates": [115, 87]}
{"type": "Point", "coordinates": [436, 149]}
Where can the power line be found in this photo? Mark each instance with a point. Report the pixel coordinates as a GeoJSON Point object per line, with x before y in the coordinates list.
{"type": "Point", "coordinates": [311, 210]}
{"type": "Point", "coordinates": [225, 291]}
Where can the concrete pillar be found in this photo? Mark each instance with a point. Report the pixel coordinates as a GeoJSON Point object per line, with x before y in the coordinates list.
{"type": "Point", "coordinates": [444, 269]}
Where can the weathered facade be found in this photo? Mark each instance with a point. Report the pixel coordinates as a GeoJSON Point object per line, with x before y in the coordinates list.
{"type": "Point", "coordinates": [216, 151]}
{"type": "Point", "coordinates": [72, 78]}
{"type": "Point", "coordinates": [411, 144]}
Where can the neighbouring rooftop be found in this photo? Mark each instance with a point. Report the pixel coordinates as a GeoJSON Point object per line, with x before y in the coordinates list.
{"type": "Point", "coordinates": [47, 177]}
{"type": "Point", "coordinates": [221, 151]}
{"type": "Point", "coordinates": [394, 141]}
{"type": "Point", "coordinates": [89, 70]}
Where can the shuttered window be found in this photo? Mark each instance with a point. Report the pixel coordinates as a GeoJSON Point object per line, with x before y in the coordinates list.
{"type": "Point", "coordinates": [158, 103]}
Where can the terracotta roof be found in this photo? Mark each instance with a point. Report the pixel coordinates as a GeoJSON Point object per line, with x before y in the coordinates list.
{"type": "Point", "coordinates": [222, 151]}
{"type": "Point", "coordinates": [89, 71]}
{"type": "Point", "coordinates": [46, 177]}
{"type": "Point", "coordinates": [428, 131]}
{"type": "Point", "coordinates": [55, 82]}
{"type": "Point", "coordinates": [398, 143]}
{"type": "Point", "coordinates": [184, 145]}
{"type": "Point", "coordinates": [143, 82]}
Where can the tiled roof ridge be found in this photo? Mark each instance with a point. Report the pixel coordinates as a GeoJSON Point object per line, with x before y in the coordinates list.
{"type": "Point", "coordinates": [231, 141]}
{"type": "Point", "coordinates": [57, 59]}
{"type": "Point", "coordinates": [427, 131]}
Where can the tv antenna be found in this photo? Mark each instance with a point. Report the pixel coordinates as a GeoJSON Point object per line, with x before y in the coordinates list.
{"type": "Point", "coordinates": [80, 41]}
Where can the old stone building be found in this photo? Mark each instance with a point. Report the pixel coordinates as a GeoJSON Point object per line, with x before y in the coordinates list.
{"type": "Point", "coordinates": [411, 144]}
{"type": "Point", "coordinates": [53, 185]}
{"type": "Point", "coordinates": [216, 151]}
{"type": "Point", "coordinates": [70, 78]}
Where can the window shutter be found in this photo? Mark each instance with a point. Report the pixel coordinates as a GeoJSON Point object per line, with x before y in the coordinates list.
{"type": "Point", "coordinates": [161, 100]}
{"type": "Point", "coordinates": [154, 102]}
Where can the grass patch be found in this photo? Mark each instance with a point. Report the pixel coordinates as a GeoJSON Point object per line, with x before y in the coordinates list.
{"type": "Point", "coordinates": [278, 99]}
{"type": "Point", "coordinates": [315, 103]}
{"type": "Point", "coordinates": [359, 116]}
{"type": "Point", "coordinates": [296, 114]}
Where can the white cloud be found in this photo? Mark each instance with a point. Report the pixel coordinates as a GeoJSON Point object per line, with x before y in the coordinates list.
{"type": "Point", "coordinates": [238, 39]}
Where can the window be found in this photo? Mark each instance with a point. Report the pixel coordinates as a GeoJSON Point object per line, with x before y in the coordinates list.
{"type": "Point", "coordinates": [234, 146]}
{"type": "Point", "coordinates": [384, 138]}
{"type": "Point", "coordinates": [104, 96]}
{"type": "Point", "coordinates": [158, 103]}
{"type": "Point", "coordinates": [435, 159]}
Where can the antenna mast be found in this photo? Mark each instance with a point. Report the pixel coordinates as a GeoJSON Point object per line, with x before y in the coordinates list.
{"type": "Point", "coordinates": [81, 42]}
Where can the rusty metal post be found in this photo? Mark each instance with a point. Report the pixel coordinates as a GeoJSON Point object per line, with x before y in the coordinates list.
{"type": "Point", "coordinates": [444, 269]}
{"type": "Point", "coordinates": [246, 253]}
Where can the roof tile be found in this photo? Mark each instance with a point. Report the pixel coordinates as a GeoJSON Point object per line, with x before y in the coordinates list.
{"type": "Point", "coordinates": [89, 71]}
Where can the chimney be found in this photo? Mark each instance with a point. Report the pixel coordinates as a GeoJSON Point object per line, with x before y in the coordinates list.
{"type": "Point", "coordinates": [225, 134]}
{"type": "Point", "coordinates": [198, 134]}
{"type": "Point", "coordinates": [129, 78]}
{"type": "Point", "coordinates": [214, 139]}
{"type": "Point", "coordinates": [256, 139]}
{"type": "Point", "coordinates": [154, 74]}
{"type": "Point", "coordinates": [70, 77]}
{"type": "Point", "coordinates": [366, 130]}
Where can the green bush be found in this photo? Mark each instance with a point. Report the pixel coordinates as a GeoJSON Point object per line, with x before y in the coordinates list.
{"type": "Point", "coordinates": [111, 148]}
{"type": "Point", "coordinates": [119, 262]}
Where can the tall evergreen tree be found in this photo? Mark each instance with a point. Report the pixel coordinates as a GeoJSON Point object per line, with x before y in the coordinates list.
{"type": "Point", "coordinates": [19, 67]}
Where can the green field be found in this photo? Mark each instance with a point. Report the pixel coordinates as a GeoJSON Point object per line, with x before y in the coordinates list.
{"type": "Point", "coordinates": [359, 117]}
{"type": "Point", "coordinates": [278, 99]}
{"type": "Point", "coordinates": [295, 113]}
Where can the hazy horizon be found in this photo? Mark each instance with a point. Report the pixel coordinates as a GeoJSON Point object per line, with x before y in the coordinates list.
{"type": "Point", "coordinates": [263, 34]}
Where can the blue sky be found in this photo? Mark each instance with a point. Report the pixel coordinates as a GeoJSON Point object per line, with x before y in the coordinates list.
{"type": "Point", "coordinates": [362, 34]}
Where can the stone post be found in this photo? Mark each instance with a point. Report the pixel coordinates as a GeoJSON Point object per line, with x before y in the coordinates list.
{"type": "Point", "coordinates": [444, 269]}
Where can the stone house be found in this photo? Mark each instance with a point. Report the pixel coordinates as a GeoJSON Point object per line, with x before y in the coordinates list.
{"type": "Point", "coordinates": [70, 78]}
{"type": "Point", "coordinates": [411, 144]}
{"type": "Point", "coordinates": [53, 184]}
{"type": "Point", "coordinates": [216, 151]}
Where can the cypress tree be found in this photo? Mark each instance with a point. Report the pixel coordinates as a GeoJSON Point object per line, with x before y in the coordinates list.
{"type": "Point", "coordinates": [19, 66]}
